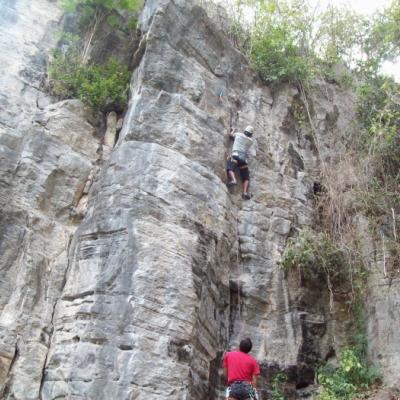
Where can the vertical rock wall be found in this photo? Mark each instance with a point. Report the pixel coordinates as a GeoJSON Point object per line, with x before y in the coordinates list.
{"type": "Point", "coordinates": [33, 175]}
{"type": "Point", "coordinates": [150, 302]}
{"type": "Point", "coordinates": [49, 153]}
{"type": "Point", "coordinates": [140, 299]}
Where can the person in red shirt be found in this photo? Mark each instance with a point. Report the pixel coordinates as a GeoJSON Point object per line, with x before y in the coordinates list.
{"type": "Point", "coordinates": [241, 371]}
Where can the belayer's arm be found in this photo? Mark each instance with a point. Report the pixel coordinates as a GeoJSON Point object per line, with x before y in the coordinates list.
{"type": "Point", "coordinates": [254, 381]}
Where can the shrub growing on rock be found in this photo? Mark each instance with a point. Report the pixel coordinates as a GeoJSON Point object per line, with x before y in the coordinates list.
{"type": "Point", "coordinates": [102, 87]}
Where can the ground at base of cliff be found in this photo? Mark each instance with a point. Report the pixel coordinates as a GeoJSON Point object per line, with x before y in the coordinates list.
{"type": "Point", "coordinates": [389, 393]}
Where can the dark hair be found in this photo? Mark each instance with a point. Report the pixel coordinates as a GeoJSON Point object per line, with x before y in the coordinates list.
{"type": "Point", "coordinates": [245, 345]}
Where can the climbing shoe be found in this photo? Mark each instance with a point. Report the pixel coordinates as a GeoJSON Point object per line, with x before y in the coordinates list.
{"type": "Point", "coordinates": [233, 183]}
{"type": "Point", "coordinates": [246, 196]}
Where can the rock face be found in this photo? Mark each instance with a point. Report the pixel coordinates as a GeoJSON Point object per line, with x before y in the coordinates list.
{"type": "Point", "coordinates": [168, 269]}
{"type": "Point", "coordinates": [48, 153]}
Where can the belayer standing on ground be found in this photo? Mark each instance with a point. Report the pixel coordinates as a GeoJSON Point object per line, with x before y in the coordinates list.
{"type": "Point", "coordinates": [238, 158]}
{"type": "Point", "coordinates": [241, 371]}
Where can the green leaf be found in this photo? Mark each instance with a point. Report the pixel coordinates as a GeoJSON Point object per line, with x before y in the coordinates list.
{"type": "Point", "coordinates": [112, 20]}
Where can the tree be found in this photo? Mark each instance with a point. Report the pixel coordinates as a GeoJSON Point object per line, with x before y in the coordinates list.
{"type": "Point", "coordinates": [92, 12]}
{"type": "Point", "coordinates": [279, 41]}
{"type": "Point", "coordinates": [289, 40]}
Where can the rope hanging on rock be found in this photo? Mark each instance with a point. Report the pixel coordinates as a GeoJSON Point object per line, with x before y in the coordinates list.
{"type": "Point", "coordinates": [237, 261]}
{"type": "Point", "coordinates": [237, 254]}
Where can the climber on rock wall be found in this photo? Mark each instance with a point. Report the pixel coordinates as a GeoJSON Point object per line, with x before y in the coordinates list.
{"type": "Point", "coordinates": [241, 371]}
{"type": "Point", "coordinates": [238, 158]}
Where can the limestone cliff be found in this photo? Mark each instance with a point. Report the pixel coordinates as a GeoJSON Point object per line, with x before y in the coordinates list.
{"type": "Point", "coordinates": [119, 269]}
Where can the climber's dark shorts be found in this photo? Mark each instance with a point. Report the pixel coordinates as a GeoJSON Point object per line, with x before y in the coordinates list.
{"type": "Point", "coordinates": [233, 162]}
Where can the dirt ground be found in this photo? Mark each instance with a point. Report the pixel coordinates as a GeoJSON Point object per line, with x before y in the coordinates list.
{"type": "Point", "coordinates": [392, 393]}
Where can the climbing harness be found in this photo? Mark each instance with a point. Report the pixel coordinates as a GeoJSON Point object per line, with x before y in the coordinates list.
{"type": "Point", "coordinates": [241, 390]}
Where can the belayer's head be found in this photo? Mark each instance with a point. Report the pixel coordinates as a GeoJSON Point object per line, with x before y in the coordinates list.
{"type": "Point", "coordinates": [249, 131]}
{"type": "Point", "coordinates": [245, 345]}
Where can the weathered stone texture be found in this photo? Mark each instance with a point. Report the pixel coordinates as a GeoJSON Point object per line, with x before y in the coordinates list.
{"type": "Point", "coordinates": [119, 270]}
{"type": "Point", "coordinates": [45, 158]}
{"type": "Point", "coordinates": [172, 224]}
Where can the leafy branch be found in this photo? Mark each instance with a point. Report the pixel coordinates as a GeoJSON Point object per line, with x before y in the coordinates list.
{"type": "Point", "coordinates": [93, 12]}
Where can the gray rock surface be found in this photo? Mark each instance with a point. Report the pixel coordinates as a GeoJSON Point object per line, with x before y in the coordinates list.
{"type": "Point", "coordinates": [119, 275]}
{"type": "Point", "coordinates": [47, 152]}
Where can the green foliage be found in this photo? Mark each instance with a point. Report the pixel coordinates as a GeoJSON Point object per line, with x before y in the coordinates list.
{"type": "Point", "coordinates": [299, 114]}
{"type": "Point", "coordinates": [383, 40]}
{"type": "Point", "coordinates": [340, 32]}
{"type": "Point", "coordinates": [377, 144]}
{"type": "Point", "coordinates": [92, 12]}
{"type": "Point", "coordinates": [316, 255]}
{"type": "Point", "coordinates": [277, 50]}
{"type": "Point", "coordinates": [360, 340]}
{"type": "Point", "coordinates": [130, 27]}
{"type": "Point", "coordinates": [112, 20]}
{"type": "Point", "coordinates": [290, 41]}
{"type": "Point", "coordinates": [374, 100]}
{"type": "Point", "coordinates": [275, 56]}
{"type": "Point", "coordinates": [350, 380]}
{"type": "Point", "coordinates": [72, 5]}
{"type": "Point", "coordinates": [102, 87]}
{"type": "Point", "coordinates": [277, 393]}
{"type": "Point", "coordinates": [353, 377]}
{"type": "Point", "coordinates": [86, 13]}
{"type": "Point", "coordinates": [378, 108]}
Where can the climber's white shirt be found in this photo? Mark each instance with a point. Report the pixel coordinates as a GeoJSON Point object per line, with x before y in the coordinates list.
{"type": "Point", "coordinates": [242, 143]}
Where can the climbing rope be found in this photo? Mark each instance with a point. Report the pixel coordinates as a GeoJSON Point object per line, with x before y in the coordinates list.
{"type": "Point", "coordinates": [235, 212]}
{"type": "Point", "coordinates": [237, 257]}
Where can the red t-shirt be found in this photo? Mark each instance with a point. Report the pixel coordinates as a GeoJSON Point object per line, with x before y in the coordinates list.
{"type": "Point", "coordinates": [241, 366]}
